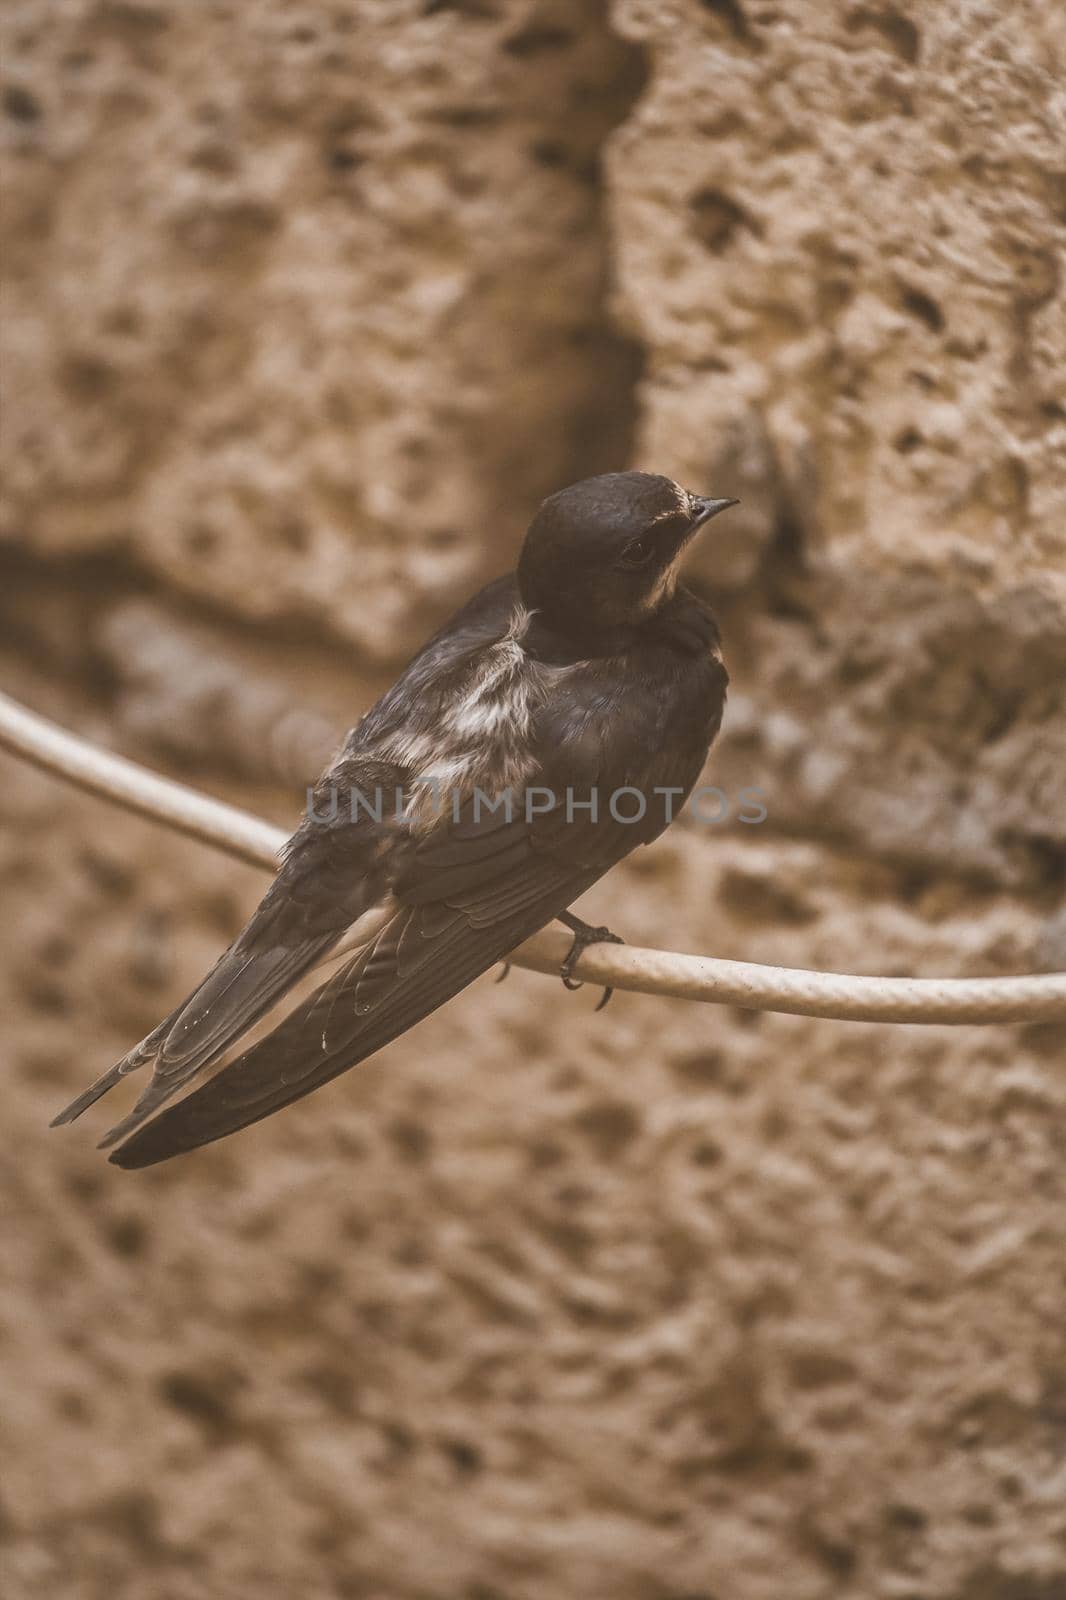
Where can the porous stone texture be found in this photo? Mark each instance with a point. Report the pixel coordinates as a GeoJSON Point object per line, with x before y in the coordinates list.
{"type": "Point", "coordinates": [853, 218]}
{"type": "Point", "coordinates": [304, 306]}
{"type": "Point", "coordinates": [304, 301]}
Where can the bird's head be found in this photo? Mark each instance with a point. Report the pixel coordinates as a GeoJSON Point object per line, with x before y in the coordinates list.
{"type": "Point", "coordinates": [604, 554]}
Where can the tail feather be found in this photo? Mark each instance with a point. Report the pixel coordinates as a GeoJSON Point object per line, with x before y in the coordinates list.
{"type": "Point", "coordinates": [325, 885]}
{"type": "Point", "coordinates": [431, 953]}
{"type": "Point", "coordinates": [138, 1057]}
{"type": "Point", "coordinates": [237, 991]}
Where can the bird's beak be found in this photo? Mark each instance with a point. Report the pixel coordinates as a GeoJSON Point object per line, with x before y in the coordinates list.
{"type": "Point", "coordinates": [709, 508]}
{"type": "Point", "coordinates": [705, 509]}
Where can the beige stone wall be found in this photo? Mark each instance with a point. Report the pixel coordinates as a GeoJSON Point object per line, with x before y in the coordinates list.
{"type": "Point", "coordinates": [304, 305]}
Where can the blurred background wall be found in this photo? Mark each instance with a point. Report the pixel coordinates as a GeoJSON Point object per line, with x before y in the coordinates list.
{"type": "Point", "coordinates": [305, 303]}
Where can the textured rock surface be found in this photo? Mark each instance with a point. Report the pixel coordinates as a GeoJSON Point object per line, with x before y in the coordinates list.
{"type": "Point", "coordinates": [856, 243]}
{"type": "Point", "coordinates": [354, 325]}
{"type": "Point", "coordinates": [303, 306]}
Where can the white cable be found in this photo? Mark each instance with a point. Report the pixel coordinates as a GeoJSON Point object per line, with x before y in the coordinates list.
{"type": "Point", "coordinates": [1037, 998]}
{"type": "Point", "coordinates": [86, 765]}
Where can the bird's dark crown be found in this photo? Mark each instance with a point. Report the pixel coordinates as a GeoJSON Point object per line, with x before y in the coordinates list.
{"type": "Point", "coordinates": [602, 556]}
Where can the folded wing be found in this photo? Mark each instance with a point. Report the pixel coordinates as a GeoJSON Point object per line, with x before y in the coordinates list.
{"type": "Point", "coordinates": [327, 881]}
{"type": "Point", "coordinates": [433, 946]}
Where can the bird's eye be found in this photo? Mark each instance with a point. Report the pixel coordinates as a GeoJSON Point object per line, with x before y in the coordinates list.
{"type": "Point", "coordinates": [637, 553]}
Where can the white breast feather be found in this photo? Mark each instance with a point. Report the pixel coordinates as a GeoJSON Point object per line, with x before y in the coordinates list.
{"type": "Point", "coordinates": [483, 737]}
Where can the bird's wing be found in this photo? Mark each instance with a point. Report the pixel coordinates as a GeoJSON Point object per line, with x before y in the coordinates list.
{"type": "Point", "coordinates": [327, 881]}
{"type": "Point", "coordinates": [333, 871]}
{"type": "Point", "coordinates": [424, 955]}
{"type": "Point", "coordinates": [472, 890]}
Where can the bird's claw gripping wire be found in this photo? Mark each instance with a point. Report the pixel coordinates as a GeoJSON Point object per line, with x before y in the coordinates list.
{"type": "Point", "coordinates": [584, 935]}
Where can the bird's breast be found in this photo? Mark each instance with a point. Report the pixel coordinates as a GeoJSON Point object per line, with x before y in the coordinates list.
{"type": "Point", "coordinates": [477, 731]}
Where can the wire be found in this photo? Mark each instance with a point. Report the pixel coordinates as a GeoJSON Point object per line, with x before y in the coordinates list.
{"type": "Point", "coordinates": [88, 767]}
{"type": "Point", "coordinates": [841, 996]}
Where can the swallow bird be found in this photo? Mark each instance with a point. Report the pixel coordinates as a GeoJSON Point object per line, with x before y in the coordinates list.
{"type": "Point", "coordinates": [508, 743]}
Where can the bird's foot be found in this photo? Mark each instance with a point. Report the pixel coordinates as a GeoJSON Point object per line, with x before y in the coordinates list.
{"type": "Point", "coordinates": [584, 935]}
{"type": "Point", "coordinates": [504, 972]}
